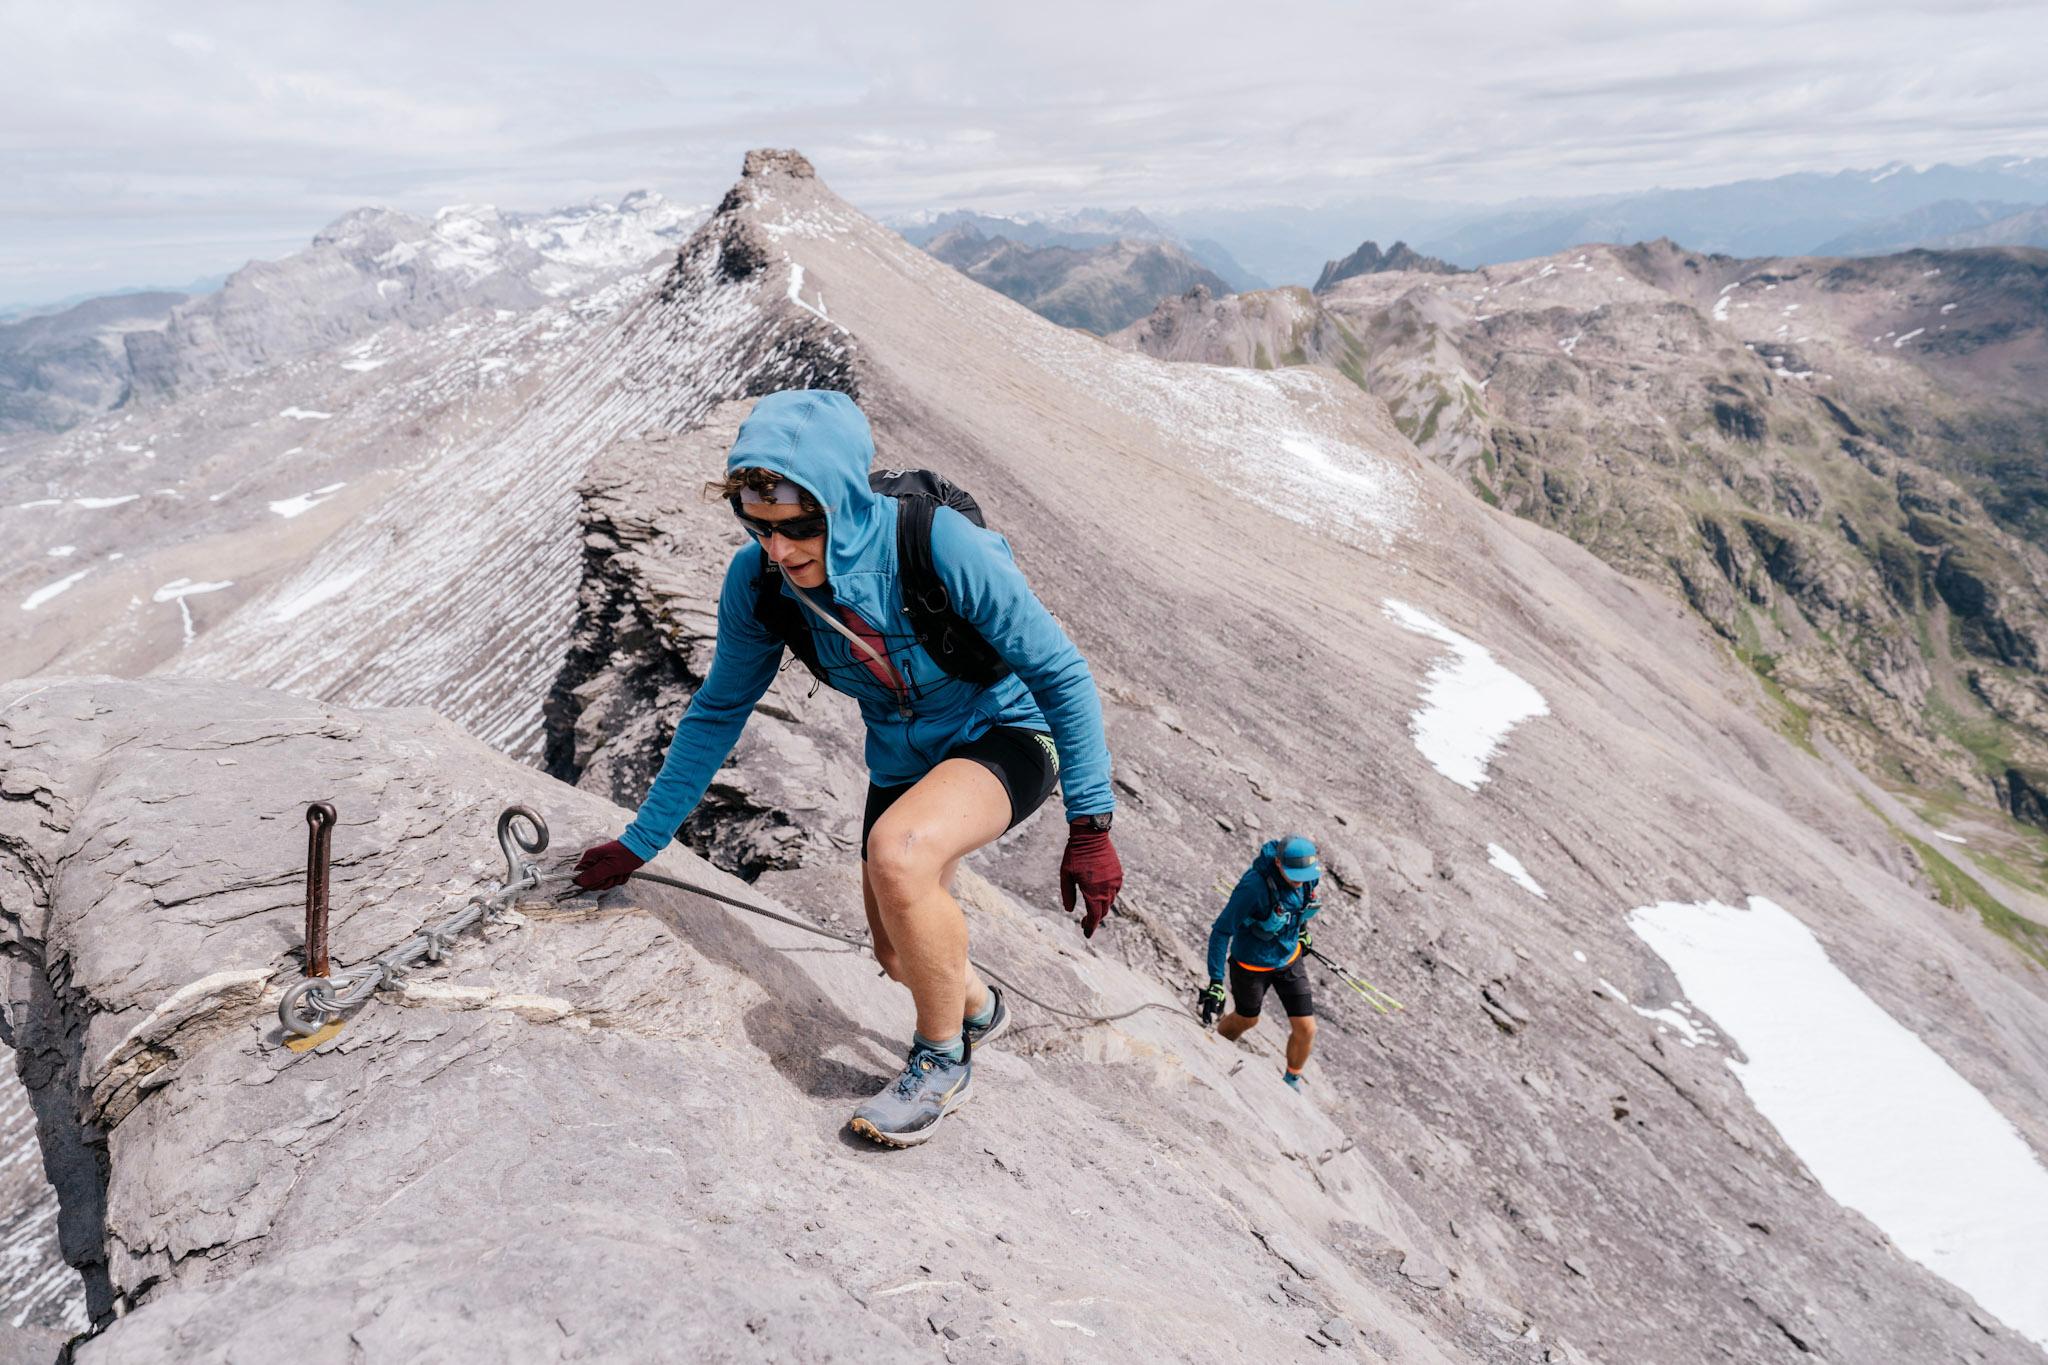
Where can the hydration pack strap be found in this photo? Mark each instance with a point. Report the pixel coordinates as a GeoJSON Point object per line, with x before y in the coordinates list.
{"type": "Point", "coordinates": [839, 626]}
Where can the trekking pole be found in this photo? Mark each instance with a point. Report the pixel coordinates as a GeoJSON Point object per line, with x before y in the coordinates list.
{"type": "Point", "coordinates": [1374, 996]}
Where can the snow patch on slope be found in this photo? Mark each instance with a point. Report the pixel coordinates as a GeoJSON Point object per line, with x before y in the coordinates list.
{"type": "Point", "coordinates": [184, 587]}
{"type": "Point", "coordinates": [1510, 864]}
{"type": "Point", "coordinates": [51, 590]}
{"type": "Point", "coordinates": [1470, 702]}
{"type": "Point", "coordinates": [305, 502]}
{"type": "Point", "coordinates": [1887, 1127]}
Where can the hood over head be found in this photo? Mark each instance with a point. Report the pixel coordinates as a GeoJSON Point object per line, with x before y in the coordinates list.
{"type": "Point", "coordinates": [819, 440]}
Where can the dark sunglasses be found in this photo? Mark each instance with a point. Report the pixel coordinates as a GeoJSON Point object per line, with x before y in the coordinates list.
{"type": "Point", "coordinates": [796, 528]}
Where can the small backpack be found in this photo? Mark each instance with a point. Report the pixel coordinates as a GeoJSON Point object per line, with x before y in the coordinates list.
{"type": "Point", "coordinates": [954, 645]}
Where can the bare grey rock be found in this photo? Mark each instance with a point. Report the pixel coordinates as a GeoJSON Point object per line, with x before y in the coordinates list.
{"type": "Point", "coordinates": [508, 1158]}
{"type": "Point", "coordinates": [1424, 1272]}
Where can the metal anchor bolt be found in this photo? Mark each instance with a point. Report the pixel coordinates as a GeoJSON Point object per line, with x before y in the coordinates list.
{"type": "Point", "coordinates": [320, 819]}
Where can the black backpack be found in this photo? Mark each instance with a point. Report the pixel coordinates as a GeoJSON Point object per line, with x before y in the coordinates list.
{"type": "Point", "coordinates": [954, 645]}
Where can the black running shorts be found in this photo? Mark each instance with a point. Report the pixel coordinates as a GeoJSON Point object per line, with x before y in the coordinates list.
{"type": "Point", "coordinates": [1290, 983]}
{"type": "Point", "coordinates": [1024, 761]}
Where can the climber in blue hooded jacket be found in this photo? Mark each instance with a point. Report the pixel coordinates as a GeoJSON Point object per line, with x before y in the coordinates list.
{"type": "Point", "coordinates": [1263, 938]}
{"type": "Point", "coordinates": [952, 764]}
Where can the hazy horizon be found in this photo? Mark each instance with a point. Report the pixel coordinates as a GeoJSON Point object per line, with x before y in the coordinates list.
{"type": "Point", "coordinates": [143, 147]}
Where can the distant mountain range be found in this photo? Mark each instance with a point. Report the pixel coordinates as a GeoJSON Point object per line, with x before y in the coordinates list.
{"type": "Point", "coordinates": [368, 269]}
{"type": "Point", "coordinates": [2027, 228]}
{"type": "Point", "coordinates": [1790, 215]}
{"type": "Point", "coordinates": [60, 368]}
{"type": "Point", "coordinates": [21, 312]}
{"type": "Point", "coordinates": [1853, 212]}
{"type": "Point", "coordinates": [1083, 230]}
{"type": "Point", "coordinates": [1096, 288]}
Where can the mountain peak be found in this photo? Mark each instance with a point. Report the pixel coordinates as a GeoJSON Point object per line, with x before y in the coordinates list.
{"type": "Point", "coordinates": [1369, 260]}
{"type": "Point", "coordinates": [767, 161]}
{"type": "Point", "coordinates": [367, 224]}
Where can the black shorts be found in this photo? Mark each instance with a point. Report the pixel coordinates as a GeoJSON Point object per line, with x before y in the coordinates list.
{"type": "Point", "coordinates": [1024, 761]}
{"type": "Point", "coordinates": [1290, 983]}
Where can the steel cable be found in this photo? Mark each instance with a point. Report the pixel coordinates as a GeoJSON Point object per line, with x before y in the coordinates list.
{"type": "Point", "coordinates": [862, 942]}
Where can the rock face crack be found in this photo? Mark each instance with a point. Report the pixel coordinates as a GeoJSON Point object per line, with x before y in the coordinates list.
{"type": "Point", "coordinates": [46, 1024]}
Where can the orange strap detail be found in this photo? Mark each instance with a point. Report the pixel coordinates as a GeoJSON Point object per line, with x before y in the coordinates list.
{"type": "Point", "coordinates": [1282, 967]}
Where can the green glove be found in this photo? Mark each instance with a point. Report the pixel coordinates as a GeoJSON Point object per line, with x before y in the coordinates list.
{"type": "Point", "coordinates": [1305, 939]}
{"type": "Point", "coordinates": [1210, 1002]}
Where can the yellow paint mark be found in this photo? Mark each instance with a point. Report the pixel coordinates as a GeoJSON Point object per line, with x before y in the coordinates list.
{"type": "Point", "coordinates": [313, 1040]}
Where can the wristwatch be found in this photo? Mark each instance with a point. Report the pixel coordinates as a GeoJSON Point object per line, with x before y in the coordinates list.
{"type": "Point", "coordinates": [1098, 823]}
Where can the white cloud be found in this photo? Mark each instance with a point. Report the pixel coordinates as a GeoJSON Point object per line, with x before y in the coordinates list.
{"type": "Point", "coordinates": [115, 131]}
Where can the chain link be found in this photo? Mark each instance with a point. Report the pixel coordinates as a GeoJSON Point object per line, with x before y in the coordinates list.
{"type": "Point", "coordinates": [308, 1005]}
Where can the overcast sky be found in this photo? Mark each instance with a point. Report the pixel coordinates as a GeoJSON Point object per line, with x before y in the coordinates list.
{"type": "Point", "coordinates": [152, 143]}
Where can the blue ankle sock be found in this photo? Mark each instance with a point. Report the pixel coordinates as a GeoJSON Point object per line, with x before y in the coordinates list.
{"type": "Point", "coordinates": [988, 1011]}
{"type": "Point", "coordinates": [954, 1047]}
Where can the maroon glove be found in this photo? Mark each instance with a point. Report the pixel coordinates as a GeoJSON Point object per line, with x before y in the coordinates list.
{"type": "Point", "coordinates": [604, 866]}
{"type": "Point", "coordinates": [1091, 865]}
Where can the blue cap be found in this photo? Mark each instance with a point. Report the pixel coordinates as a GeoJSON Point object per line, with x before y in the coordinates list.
{"type": "Point", "coordinates": [1298, 860]}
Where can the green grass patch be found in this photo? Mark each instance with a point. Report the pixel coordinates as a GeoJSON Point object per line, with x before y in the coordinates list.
{"type": "Point", "coordinates": [1351, 364]}
{"type": "Point", "coordinates": [1958, 890]}
{"type": "Point", "coordinates": [1260, 360]}
{"type": "Point", "coordinates": [1794, 722]}
{"type": "Point", "coordinates": [1486, 494]}
{"type": "Point", "coordinates": [1997, 865]}
{"type": "Point", "coordinates": [1436, 410]}
{"type": "Point", "coordinates": [1748, 639]}
{"type": "Point", "coordinates": [1987, 738]}
{"type": "Point", "coordinates": [1941, 807]}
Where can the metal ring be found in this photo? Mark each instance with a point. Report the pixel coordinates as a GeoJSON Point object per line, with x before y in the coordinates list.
{"type": "Point", "coordinates": [516, 868]}
{"type": "Point", "coordinates": [292, 1007]}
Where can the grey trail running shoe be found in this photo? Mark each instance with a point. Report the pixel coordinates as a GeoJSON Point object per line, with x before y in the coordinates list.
{"type": "Point", "coordinates": [997, 1022]}
{"type": "Point", "coordinates": [908, 1111]}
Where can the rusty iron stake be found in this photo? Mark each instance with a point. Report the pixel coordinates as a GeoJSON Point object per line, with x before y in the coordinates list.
{"type": "Point", "coordinates": [319, 835]}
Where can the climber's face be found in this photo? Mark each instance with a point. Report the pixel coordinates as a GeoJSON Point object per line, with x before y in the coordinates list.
{"type": "Point", "coordinates": [793, 538]}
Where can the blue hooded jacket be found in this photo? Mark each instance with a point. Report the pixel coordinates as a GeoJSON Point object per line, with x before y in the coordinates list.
{"type": "Point", "coordinates": [820, 440]}
{"type": "Point", "coordinates": [1263, 921]}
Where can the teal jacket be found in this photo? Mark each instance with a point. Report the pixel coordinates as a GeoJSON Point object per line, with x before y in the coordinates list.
{"type": "Point", "coordinates": [820, 441]}
{"type": "Point", "coordinates": [1262, 923]}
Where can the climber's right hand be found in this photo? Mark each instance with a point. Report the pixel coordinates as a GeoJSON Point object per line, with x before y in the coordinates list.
{"type": "Point", "coordinates": [1210, 1002]}
{"type": "Point", "coordinates": [606, 865]}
